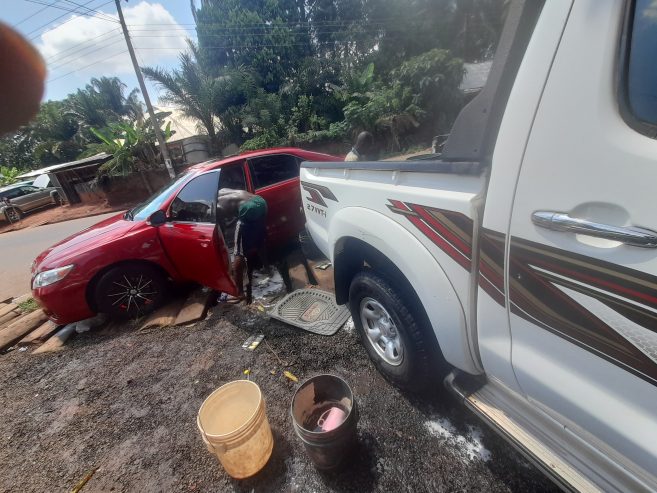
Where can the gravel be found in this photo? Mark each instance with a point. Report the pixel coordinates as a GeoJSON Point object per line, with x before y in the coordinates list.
{"type": "Point", "coordinates": [125, 402]}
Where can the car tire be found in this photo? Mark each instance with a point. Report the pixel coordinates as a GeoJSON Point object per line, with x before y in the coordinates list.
{"type": "Point", "coordinates": [394, 337]}
{"type": "Point", "coordinates": [130, 291]}
{"type": "Point", "coordinates": [13, 214]}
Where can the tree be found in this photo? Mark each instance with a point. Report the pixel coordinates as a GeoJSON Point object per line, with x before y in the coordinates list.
{"type": "Point", "coordinates": [60, 131]}
{"type": "Point", "coordinates": [191, 88]}
{"type": "Point", "coordinates": [103, 101]}
{"type": "Point", "coordinates": [132, 146]}
{"type": "Point", "coordinates": [8, 175]}
{"type": "Point", "coordinates": [268, 37]}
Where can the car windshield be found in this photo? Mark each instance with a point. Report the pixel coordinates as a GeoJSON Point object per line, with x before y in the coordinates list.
{"type": "Point", "coordinates": [145, 209]}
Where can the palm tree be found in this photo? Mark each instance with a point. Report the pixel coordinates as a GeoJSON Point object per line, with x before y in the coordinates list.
{"type": "Point", "coordinates": [190, 88]}
{"type": "Point", "coordinates": [103, 101]}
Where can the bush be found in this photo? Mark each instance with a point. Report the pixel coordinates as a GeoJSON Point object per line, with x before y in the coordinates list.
{"type": "Point", "coordinates": [262, 141]}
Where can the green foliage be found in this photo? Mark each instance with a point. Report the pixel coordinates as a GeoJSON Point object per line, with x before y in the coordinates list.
{"type": "Point", "coordinates": [8, 175]}
{"type": "Point", "coordinates": [28, 306]}
{"type": "Point", "coordinates": [132, 146]}
{"type": "Point", "coordinates": [60, 131]}
{"type": "Point", "coordinates": [269, 72]}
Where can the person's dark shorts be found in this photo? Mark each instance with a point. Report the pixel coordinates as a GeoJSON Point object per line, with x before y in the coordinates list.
{"type": "Point", "coordinates": [251, 229]}
{"type": "Point", "coordinates": [250, 237]}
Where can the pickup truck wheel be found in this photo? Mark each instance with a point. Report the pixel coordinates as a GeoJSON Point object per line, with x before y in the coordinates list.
{"type": "Point", "coordinates": [390, 333]}
{"type": "Point", "coordinates": [130, 291]}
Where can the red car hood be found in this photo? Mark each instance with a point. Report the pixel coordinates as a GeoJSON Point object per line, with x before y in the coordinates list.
{"type": "Point", "coordinates": [61, 253]}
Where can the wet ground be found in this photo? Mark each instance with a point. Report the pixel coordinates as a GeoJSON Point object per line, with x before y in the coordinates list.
{"type": "Point", "coordinates": [125, 402]}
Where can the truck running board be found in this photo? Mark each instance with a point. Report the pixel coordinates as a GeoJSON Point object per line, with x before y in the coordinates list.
{"type": "Point", "coordinates": [550, 446]}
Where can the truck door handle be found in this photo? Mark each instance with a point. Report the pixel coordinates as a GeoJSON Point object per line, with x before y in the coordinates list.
{"type": "Point", "coordinates": [630, 235]}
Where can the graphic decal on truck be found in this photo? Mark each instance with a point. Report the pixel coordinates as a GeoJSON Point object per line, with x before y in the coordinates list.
{"type": "Point", "coordinates": [452, 232]}
{"type": "Point", "coordinates": [317, 193]}
{"type": "Point", "coordinates": [607, 309]}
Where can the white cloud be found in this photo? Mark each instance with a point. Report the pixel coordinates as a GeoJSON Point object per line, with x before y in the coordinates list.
{"type": "Point", "coordinates": [83, 41]}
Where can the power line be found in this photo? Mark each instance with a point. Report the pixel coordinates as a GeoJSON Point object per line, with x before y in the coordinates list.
{"type": "Point", "coordinates": [90, 12]}
{"type": "Point", "coordinates": [103, 14]}
{"type": "Point", "coordinates": [309, 34]}
{"type": "Point", "coordinates": [231, 47]}
{"type": "Point", "coordinates": [61, 63]}
{"type": "Point", "coordinates": [61, 53]}
{"type": "Point", "coordinates": [59, 25]}
{"type": "Point", "coordinates": [378, 20]}
{"type": "Point", "coordinates": [35, 13]}
{"type": "Point", "coordinates": [86, 66]}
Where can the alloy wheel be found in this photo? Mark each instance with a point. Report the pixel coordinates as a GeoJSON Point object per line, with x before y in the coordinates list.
{"type": "Point", "coordinates": [381, 331]}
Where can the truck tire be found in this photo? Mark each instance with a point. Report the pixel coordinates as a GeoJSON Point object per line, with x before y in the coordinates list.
{"type": "Point", "coordinates": [391, 333]}
{"type": "Point", "coordinates": [130, 291]}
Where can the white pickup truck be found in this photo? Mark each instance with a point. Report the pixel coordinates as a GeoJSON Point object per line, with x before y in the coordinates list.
{"type": "Point", "coordinates": [522, 261]}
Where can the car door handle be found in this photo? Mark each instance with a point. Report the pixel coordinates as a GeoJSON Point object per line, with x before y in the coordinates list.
{"type": "Point", "coordinates": [630, 235]}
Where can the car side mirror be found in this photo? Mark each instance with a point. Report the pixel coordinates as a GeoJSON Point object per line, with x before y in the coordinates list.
{"type": "Point", "coordinates": [158, 218]}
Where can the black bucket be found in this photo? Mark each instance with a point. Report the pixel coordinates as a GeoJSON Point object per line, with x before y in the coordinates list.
{"type": "Point", "coordinates": [324, 415]}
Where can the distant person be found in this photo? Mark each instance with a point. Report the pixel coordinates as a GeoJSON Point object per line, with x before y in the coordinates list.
{"type": "Point", "coordinates": [250, 234]}
{"type": "Point", "coordinates": [362, 148]}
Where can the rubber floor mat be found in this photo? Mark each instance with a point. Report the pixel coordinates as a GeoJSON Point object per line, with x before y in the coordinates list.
{"type": "Point", "coordinates": [313, 310]}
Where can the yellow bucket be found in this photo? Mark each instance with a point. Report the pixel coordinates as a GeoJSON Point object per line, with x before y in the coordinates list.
{"type": "Point", "coordinates": [234, 427]}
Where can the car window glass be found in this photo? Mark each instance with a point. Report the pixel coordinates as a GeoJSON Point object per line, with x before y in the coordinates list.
{"type": "Point", "coordinates": [268, 170]}
{"type": "Point", "coordinates": [642, 69]}
{"type": "Point", "coordinates": [12, 194]}
{"type": "Point", "coordinates": [232, 177]}
{"type": "Point", "coordinates": [26, 190]}
{"type": "Point", "coordinates": [196, 201]}
{"type": "Point", "coordinates": [144, 210]}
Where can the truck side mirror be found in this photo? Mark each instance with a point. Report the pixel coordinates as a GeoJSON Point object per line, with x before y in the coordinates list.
{"type": "Point", "coordinates": [158, 218]}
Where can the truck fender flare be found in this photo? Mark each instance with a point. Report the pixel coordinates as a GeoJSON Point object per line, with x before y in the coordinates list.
{"type": "Point", "coordinates": [422, 271]}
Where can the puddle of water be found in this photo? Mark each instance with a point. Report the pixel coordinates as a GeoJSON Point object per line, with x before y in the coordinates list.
{"type": "Point", "coordinates": [471, 444]}
{"type": "Point", "coordinates": [349, 325]}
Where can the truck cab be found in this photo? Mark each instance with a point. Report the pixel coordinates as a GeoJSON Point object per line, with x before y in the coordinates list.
{"type": "Point", "coordinates": [519, 266]}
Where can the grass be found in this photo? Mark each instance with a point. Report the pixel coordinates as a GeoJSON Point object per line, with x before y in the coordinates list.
{"type": "Point", "coordinates": [29, 305]}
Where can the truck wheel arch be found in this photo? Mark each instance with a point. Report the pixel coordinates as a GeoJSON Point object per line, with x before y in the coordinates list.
{"type": "Point", "coordinates": [356, 236]}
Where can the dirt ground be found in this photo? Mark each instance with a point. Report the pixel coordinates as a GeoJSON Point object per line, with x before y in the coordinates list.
{"type": "Point", "coordinates": [125, 402]}
{"type": "Point", "coordinates": [51, 215]}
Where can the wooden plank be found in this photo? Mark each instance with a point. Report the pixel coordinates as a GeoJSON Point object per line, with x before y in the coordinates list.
{"type": "Point", "coordinates": [8, 317]}
{"type": "Point", "coordinates": [22, 298]}
{"type": "Point", "coordinates": [56, 342]}
{"type": "Point", "coordinates": [39, 334]}
{"type": "Point", "coordinates": [8, 308]}
{"type": "Point", "coordinates": [195, 307]}
{"type": "Point", "coordinates": [20, 327]}
{"type": "Point", "coordinates": [164, 317]}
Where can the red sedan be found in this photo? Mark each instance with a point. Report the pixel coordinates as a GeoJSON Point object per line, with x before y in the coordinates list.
{"type": "Point", "coordinates": [123, 266]}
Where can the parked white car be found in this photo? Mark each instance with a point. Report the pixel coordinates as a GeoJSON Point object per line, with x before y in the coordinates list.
{"type": "Point", "coordinates": [522, 261]}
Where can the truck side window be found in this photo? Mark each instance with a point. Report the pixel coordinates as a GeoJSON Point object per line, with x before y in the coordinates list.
{"type": "Point", "coordinates": [268, 170]}
{"type": "Point", "coordinates": [196, 201]}
{"type": "Point", "coordinates": [641, 68]}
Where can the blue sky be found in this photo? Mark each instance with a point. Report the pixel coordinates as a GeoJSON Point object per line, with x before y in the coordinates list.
{"type": "Point", "coordinates": [78, 46]}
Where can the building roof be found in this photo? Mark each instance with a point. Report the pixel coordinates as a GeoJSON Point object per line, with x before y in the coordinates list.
{"type": "Point", "coordinates": [97, 158]}
{"type": "Point", "coordinates": [182, 125]}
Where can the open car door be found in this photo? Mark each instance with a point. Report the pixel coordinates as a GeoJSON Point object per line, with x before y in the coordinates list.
{"type": "Point", "coordinates": [191, 237]}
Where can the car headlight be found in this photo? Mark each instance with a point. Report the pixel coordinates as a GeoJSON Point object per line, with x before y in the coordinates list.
{"type": "Point", "coordinates": [48, 277]}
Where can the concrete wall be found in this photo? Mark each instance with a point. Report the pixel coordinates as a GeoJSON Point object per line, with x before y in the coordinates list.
{"type": "Point", "coordinates": [130, 190]}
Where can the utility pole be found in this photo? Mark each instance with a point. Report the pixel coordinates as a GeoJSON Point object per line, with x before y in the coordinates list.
{"type": "Point", "coordinates": [147, 100]}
